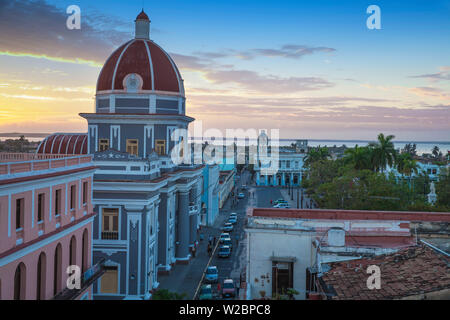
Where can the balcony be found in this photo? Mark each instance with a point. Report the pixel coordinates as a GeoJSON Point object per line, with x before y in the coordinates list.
{"type": "Point", "coordinates": [112, 235]}
{"type": "Point", "coordinates": [87, 279]}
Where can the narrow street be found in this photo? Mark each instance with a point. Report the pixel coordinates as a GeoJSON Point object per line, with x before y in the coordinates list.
{"type": "Point", "coordinates": [188, 279]}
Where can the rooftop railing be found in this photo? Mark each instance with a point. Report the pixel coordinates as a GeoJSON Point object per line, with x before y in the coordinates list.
{"type": "Point", "coordinates": [12, 157]}
{"type": "Point", "coordinates": [17, 163]}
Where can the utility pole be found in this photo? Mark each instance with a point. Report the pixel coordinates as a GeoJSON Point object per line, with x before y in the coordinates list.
{"type": "Point", "coordinates": [298, 191]}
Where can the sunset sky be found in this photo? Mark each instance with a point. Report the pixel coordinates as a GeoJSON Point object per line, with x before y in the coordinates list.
{"type": "Point", "coordinates": [310, 68]}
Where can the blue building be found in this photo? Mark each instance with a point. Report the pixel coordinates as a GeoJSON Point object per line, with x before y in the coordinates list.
{"type": "Point", "coordinates": [210, 196]}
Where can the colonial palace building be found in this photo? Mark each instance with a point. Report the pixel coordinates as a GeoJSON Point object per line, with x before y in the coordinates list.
{"type": "Point", "coordinates": [147, 208]}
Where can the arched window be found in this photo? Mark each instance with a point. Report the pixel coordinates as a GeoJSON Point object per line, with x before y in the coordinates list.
{"type": "Point", "coordinates": [57, 264]}
{"type": "Point", "coordinates": [85, 251]}
{"type": "Point", "coordinates": [19, 282]}
{"type": "Point", "coordinates": [73, 251]}
{"type": "Point", "coordinates": [40, 282]}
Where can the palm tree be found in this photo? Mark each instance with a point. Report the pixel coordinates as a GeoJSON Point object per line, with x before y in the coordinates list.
{"type": "Point", "coordinates": [358, 156]}
{"type": "Point", "coordinates": [316, 154]}
{"type": "Point", "coordinates": [406, 165]}
{"type": "Point", "coordinates": [384, 152]}
{"type": "Point", "coordinates": [436, 152]}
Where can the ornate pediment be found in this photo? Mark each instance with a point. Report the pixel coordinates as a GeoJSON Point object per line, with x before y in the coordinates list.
{"type": "Point", "coordinates": [112, 154]}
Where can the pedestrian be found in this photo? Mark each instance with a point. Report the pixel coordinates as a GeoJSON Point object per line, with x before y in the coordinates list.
{"type": "Point", "coordinates": [270, 201]}
{"type": "Point", "coordinates": [193, 252]}
{"type": "Point", "coordinates": [237, 290]}
{"type": "Point", "coordinates": [209, 250]}
{"type": "Point", "coordinates": [218, 287]}
{"type": "Point", "coordinates": [214, 241]}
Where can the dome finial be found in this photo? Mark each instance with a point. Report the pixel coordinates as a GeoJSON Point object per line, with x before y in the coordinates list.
{"type": "Point", "coordinates": [142, 26]}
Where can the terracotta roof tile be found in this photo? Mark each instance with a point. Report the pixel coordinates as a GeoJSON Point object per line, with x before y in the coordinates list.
{"type": "Point", "coordinates": [405, 273]}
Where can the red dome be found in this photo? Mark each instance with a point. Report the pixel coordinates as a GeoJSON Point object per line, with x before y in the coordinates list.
{"type": "Point", "coordinates": [64, 143]}
{"type": "Point", "coordinates": [142, 16]}
{"type": "Point", "coordinates": [145, 58]}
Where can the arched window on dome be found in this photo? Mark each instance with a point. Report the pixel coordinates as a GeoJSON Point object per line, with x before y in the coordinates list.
{"type": "Point", "coordinates": [132, 83]}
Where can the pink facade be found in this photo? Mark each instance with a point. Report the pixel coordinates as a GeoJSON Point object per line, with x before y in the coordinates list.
{"type": "Point", "coordinates": [45, 224]}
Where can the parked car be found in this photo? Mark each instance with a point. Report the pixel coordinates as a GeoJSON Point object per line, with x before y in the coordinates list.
{"type": "Point", "coordinates": [224, 236]}
{"type": "Point", "coordinates": [282, 206]}
{"type": "Point", "coordinates": [205, 292]}
{"type": "Point", "coordinates": [228, 289]}
{"type": "Point", "coordinates": [233, 214]}
{"type": "Point", "coordinates": [228, 242]}
{"type": "Point", "coordinates": [224, 252]}
{"type": "Point", "coordinates": [212, 274]}
{"type": "Point", "coordinates": [241, 195]}
{"type": "Point", "coordinates": [244, 187]}
{"type": "Point", "coordinates": [228, 227]}
{"type": "Point", "coordinates": [232, 220]}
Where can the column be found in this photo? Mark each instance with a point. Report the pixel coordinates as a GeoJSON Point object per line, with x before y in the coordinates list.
{"type": "Point", "coordinates": [292, 179]}
{"type": "Point", "coordinates": [267, 180]}
{"type": "Point", "coordinates": [135, 241]}
{"type": "Point", "coordinates": [258, 175]}
{"type": "Point", "coordinates": [163, 237]}
{"type": "Point", "coordinates": [283, 179]}
{"type": "Point", "coordinates": [182, 248]}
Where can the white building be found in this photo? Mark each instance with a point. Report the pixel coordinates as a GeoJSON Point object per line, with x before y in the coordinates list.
{"type": "Point", "coordinates": [290, 248]}
{"type": "Point", "coordinates": [289, 169]}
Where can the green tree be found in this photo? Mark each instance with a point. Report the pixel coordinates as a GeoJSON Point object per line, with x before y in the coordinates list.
{"type": "Point", "coordinates": [406, 166]}
{"type": "Point", "coordinates": [443, 188]}
{"type": "Point", "coordinates": [435, 152]}
{"type": "Point", "coordinates": [384, 152]}
{"type": "Point", "coordinates": [316, 154]}
{"type": "Point", "coordinates": [359, 157]}
{"type": "Point", "coordinates": [164, 294]}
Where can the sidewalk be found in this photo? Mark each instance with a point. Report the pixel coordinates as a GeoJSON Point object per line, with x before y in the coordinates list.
{"type": "Point", "coordinates": [293, 203]}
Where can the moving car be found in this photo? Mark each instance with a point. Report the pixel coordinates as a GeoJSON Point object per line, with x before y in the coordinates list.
{"type": "Point", "coordinates": [228, 289]}
{"type": "Point", "coordinates": [241, 195]}
{"type": "Point", "coordinates": [212, 274]}
{"type": "Point", "coordinates": [244, 187]}
{"type": "Point", "coordinates": [227, 227]}
{"type": "Point", "coordinates": [233, 214]}
{"type": "Point", "coordinates": [282, 206]}
{"type": "Point", "coordinates": [224, 252]}
{"type": "Point", "coordinates": [279, 201]}
{"type": "Point", "coordinates": [205, 292]}
{"type": "Point", "coordinates": [232, 220]}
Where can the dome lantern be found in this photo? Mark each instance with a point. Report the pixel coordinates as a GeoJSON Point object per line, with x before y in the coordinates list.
{"type": "Point", "coordinates": [142, 26]}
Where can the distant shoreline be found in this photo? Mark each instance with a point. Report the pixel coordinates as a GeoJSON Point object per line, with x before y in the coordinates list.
{"type": "Point", "coordinates": [44, 135]}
